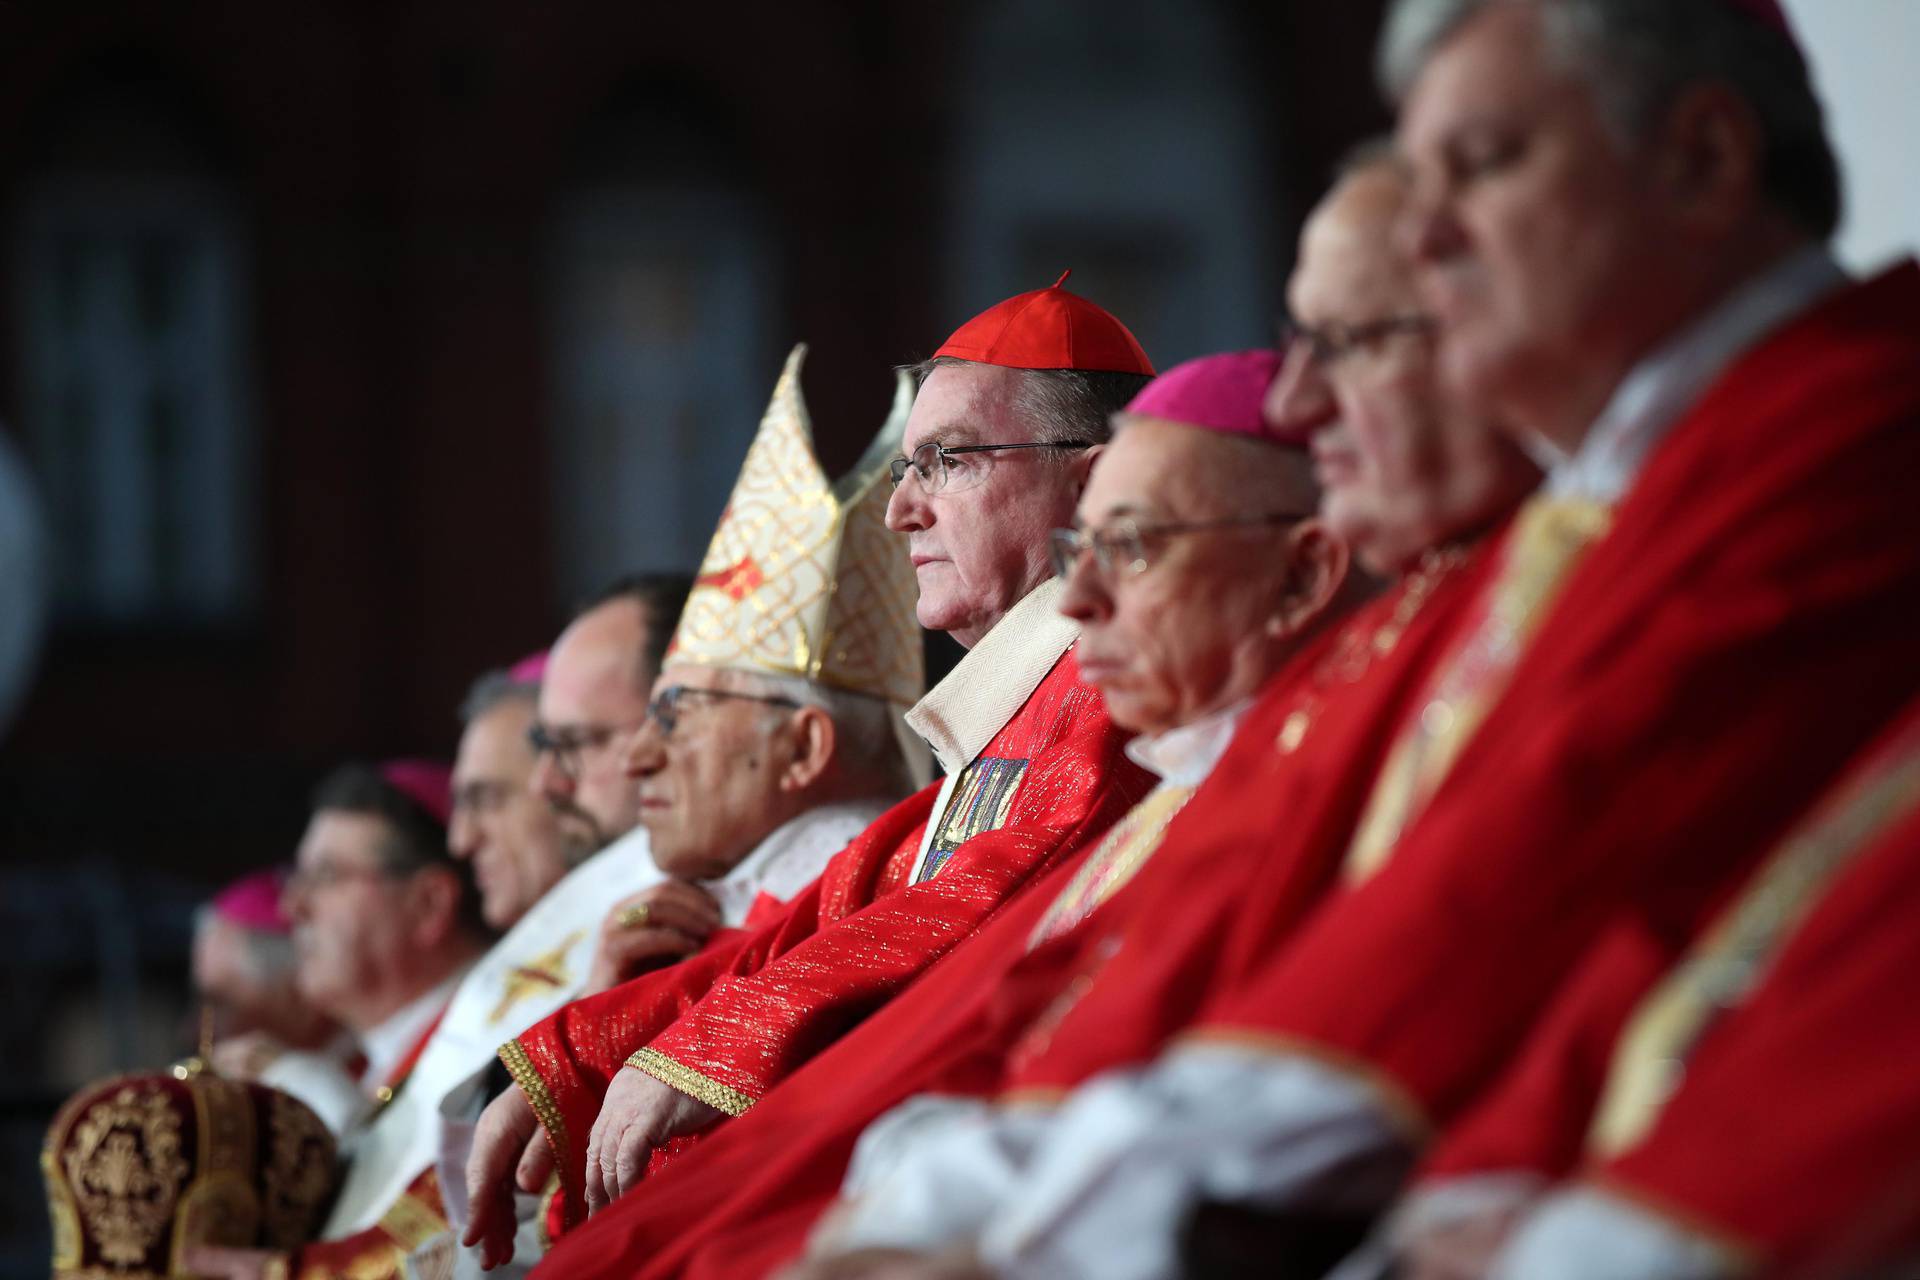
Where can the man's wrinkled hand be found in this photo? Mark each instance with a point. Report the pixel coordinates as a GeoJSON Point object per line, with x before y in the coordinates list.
{"type": "Point", "coordinates": [668, 922]}
{"type": "Point", "coordinates": [638, 1115]}
{"type": "Point", "coordinates": [509, 1148]}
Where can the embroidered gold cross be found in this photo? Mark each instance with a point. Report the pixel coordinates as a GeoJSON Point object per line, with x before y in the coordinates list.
{"type": "Point", "coordinates": [542, 973]}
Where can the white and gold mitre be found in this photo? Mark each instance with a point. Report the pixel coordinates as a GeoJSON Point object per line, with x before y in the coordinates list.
{"type": "Point", "coordinates": [803, 577]}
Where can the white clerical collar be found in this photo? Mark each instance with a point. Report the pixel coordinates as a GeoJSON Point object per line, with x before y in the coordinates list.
{"type": "Point", "coordinates": [833, 824]}
{"type": "Point", "coordinates": [387, 1043]}
{"type": "Point", "coordinates": [960, 715]}
{"type": "Point", "coordinates": [1185, 755]}
{"type": "Point", "coordinates": [1662, 387]}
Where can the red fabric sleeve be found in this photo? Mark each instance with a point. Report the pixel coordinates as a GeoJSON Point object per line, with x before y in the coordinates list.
{"type": "Point", "coordinates": [1796, 1128]}
{"type": "Point", "coordinates": [1535, 1120]}
{"type": "Point", "coordinates": [564, 1063]}
{"type": "Point", "coordinates": [753, 1029]}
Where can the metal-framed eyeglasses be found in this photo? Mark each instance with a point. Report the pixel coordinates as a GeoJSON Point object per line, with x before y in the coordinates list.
{"type": "Point", "coordinates": [665, 710]}
{"type": "Point", "coordinates": [1125, 548]}
{"type": "Point", "coordinates": [934, 463]}
{"type": "Point", "coordinates": [570, 744]}
{"type": "Point", "coordinates": [1332, 343]}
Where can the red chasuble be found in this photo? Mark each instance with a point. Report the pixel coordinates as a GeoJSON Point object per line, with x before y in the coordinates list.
{"type": "Point", "coordinates": [728, 1024]}
{"type": "Point", "coordinates": [1263, 837]}
{"type": "Point", "coordinates": [1535, 1119]}
{"type": "Point", "coordinates": [1793, 1138]}
{"type": "Point", "coordinates": [1746, 626]}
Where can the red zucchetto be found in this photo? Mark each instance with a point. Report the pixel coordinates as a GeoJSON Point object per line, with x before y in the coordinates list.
{"type": "Point", "coordinates": [1049, 329]}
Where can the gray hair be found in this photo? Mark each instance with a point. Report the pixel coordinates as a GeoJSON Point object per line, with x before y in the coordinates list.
{"type": "Point", "coordinates": [868, 746]}
{"type": "Point", "coordinates": [1066, 406]}
{"type": "Point", "coordinates": [1637, 56]}
{"type": "Point", "coordinates": [492, 689]}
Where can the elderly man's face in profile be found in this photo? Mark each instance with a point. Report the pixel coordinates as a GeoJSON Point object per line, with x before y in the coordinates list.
{"type": "Point", "coordinates": [1539, 235]}
{"type": "Point", "coordinates": [712, 787]}
{"type": "Point", "coordinates": [978, 538]}
{"type": "Point", "coordinates": [1402, 466]}
{"type": "Point", "coordinates": [1190, 627]}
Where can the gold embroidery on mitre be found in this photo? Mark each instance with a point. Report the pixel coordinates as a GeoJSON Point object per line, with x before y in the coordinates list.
{"type": "Point", "coordinates": [803, 578]}
{"type": "Point", "coordinates": [125, 1169]}
{"type": "Point", "coordinates": [545, 972]}
{"type": "Point", "coordinates": [1730, 962]}
{"type": "Point", "coordinates": [221, 1204]}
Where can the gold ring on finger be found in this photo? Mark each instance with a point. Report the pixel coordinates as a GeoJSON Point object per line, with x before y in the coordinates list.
{"type": "Point", "coordinates": [634, 917]}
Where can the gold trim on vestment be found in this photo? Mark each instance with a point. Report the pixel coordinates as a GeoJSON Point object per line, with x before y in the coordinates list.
{"type": "Point", "coordinates": [412, 1221]}
{"type": "Point", "coordinates": [543, 1217]}
{"type": "Point", "coordinates": [719, 1096]}
{"type": "Point", "coordinates": [513, 1056]}
{"type": "Point", "coordinates": [1133, 840]}
{"type": "Point", "coordinates": [1549, 539]}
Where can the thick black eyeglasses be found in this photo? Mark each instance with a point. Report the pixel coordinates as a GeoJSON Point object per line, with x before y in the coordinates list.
{"type": "Point", "coordinates": [1126, 546]}
{"type": "Point", "coordinates": [664, 710]}
{"type": "Point", "coordinates": [934, 464]}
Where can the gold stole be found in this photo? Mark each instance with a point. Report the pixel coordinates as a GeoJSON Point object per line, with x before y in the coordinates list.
{"type": "Point", "coordinates": [1114, 862]}
{"type": "Point", "coordinates": [1729, 962]}
{"type": "Point", "coordinates": [381, 1252]}
{"type": "Point", "coordinates": [1550, 536]}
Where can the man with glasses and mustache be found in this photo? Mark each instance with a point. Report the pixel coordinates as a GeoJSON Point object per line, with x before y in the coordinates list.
{"type": "Point", "coordinates": [1034, 774]}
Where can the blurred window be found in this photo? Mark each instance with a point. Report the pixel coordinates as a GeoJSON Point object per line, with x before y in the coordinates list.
{"type": "Point", "coordinates": [130, 313]}
{"type": "Point", "coordinates": [662, 288]}
{"type": "Point", "coordinates": [1118, 138]}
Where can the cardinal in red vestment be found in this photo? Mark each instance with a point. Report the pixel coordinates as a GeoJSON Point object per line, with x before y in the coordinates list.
{"type": "Point", "coordinates": [1010, 415]}
{"type": "Point", "coordinates": [1265, 832]}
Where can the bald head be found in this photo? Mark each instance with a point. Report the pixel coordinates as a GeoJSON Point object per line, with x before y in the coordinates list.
{"type": "Point", "coordinates": [1348, 263]}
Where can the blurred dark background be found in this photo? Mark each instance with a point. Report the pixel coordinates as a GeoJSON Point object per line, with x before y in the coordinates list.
{"type": "Point", "coordinates": [347, 343]}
